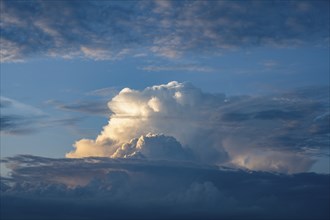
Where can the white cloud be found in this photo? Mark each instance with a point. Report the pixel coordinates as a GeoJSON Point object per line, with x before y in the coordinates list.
{"type": "Point", "coordinates": [167, 109]}
{"type": "Point", "coordinates": [153, 146]}
{"type": "Point", "coordinates": [284, 161]}
{"type": "Point", "coordinates": [258, 133]}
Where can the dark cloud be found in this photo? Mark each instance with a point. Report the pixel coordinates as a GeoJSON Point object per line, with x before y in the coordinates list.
{"type": "Point", "coordinates": [294, 119]}
{"type": "Point", "coordinates": [68, 121]}
{"type": "Point", "coordinates": [278, 114]}
{"type": "Point", "coordinates": [272, 114]}
{"type": "Point", "coordinates": [21, 119]}
{"type": "Point", "coordinates": [35, 28]}
{"type": "Point", "coordinates": [103, 188]}
{"type": "Point", "coordinates": [14, 124]}
{"type": "Point", "coordinates": [87, 107]}
{"type": "Point", "coordinates": [110, 29]}
{"type": "Point", "coordinates": [17, 118]}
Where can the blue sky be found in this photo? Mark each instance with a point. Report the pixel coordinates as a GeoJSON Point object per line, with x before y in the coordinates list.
{"type": "Point", "coordinates": [241, 84]}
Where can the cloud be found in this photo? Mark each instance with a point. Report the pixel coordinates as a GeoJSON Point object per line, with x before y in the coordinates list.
{"type": "Point", "coordinates": [190, 68]}
{"type": "Point", "coordinates": [107, 92]}
{"type": "Point", "coordinates": [13, 124]}
{"type": "Point", "coordinates": [87, 107]}
{"type": "Point", "coordinates": [152, 146]}
{"type": "Point", "coordinates": [92, 188]}
{"type": "Point", "coordinates": [18, 118]}
{"type": "Point", "coordinates": [110, 30]}
{"type": "Point", "coordinates": [137, 113]}
{"type": "Point", "coordinates": [271, 133]}
{"type": "Point", "coordinates": [16, 107]}
{"type": "Point", "coordinates": [270, 64]}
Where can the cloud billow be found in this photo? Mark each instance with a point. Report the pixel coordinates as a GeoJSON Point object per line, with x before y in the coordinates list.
{"type": "Point", "coordinates": [109, 30]}
{"type": "Point", "coordinates": [177, 121]}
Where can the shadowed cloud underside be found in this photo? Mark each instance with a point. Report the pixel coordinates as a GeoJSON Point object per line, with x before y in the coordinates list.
{"type": "Point", "coordinates": [138, 189]}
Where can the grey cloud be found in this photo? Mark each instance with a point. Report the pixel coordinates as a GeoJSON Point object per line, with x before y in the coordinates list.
{"type": "Point", "coordinates": [17, 118]}
{"type": "Point", "coordinates": [289, 117]}
{"type": "Point", "coordinates": [68, 121]}
{"type": "Point", "coordinates": [272, 114]}
{"type": "Point", "coordinates": [24, 125]}
{"type": "Point", "coordinates": [5, 103]}
{"type": "Point", "coordinates": [110, 30]}
{"type": "Point", "coordinates": [35, 28]}
{"type": "Point", "coordinates": [16, 125]}
{"type": "Point", "coordinates": [87, 107]}
{"type": "Point", "coordinates": [278, 114]}
{"type": "Point", "coordinates": [235, 116]}
{"type": "Point", "coordinates": [190, 68]}
{"type": "Point", "coordinates": [108, 92]}
{"type": "Point", "coordinates": [321, 124]}
{"type": "Point", "coordinates": [92, 188]}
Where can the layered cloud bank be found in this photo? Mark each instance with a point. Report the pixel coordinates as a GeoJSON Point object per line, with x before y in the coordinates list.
{"type": "Point", "coordinates": [177, 121]}
{"type": "Point", "coordinates": [103, 188]}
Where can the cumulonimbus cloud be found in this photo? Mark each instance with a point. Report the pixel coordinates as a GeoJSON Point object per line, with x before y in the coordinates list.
{"type": "Point", "coordinates": [177, 121]}
{"type": "Point", "coordinates": [164, 109]}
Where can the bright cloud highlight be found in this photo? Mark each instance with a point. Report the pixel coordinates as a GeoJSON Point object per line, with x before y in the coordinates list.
{"type": "Point", "coordinates": [177, 121]}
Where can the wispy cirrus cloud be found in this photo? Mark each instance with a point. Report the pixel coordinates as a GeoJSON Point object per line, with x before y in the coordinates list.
{"type": "Point", "coordinates": [106, 30]}
{"type": "Point", "coordinates": [87, 107]}
{"type": "Point", "coordinates": [107, 92]}
{"type": "Point", "coordinates": [17, 117]}
{"type": "Point", "coordinates": [178, 68]}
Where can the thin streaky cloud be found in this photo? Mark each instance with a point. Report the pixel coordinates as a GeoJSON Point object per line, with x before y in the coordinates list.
{"type": "Point", "coordinates": [83, 106]}
{"type": "Point", "coordinates": [178, 68]}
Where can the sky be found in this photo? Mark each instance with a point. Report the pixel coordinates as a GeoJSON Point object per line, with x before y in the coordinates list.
{"type": "Point", "coordinates": [149, 106]}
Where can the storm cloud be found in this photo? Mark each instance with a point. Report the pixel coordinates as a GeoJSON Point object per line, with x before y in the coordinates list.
{"type": "Point", "coordinates": [138, 189]}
